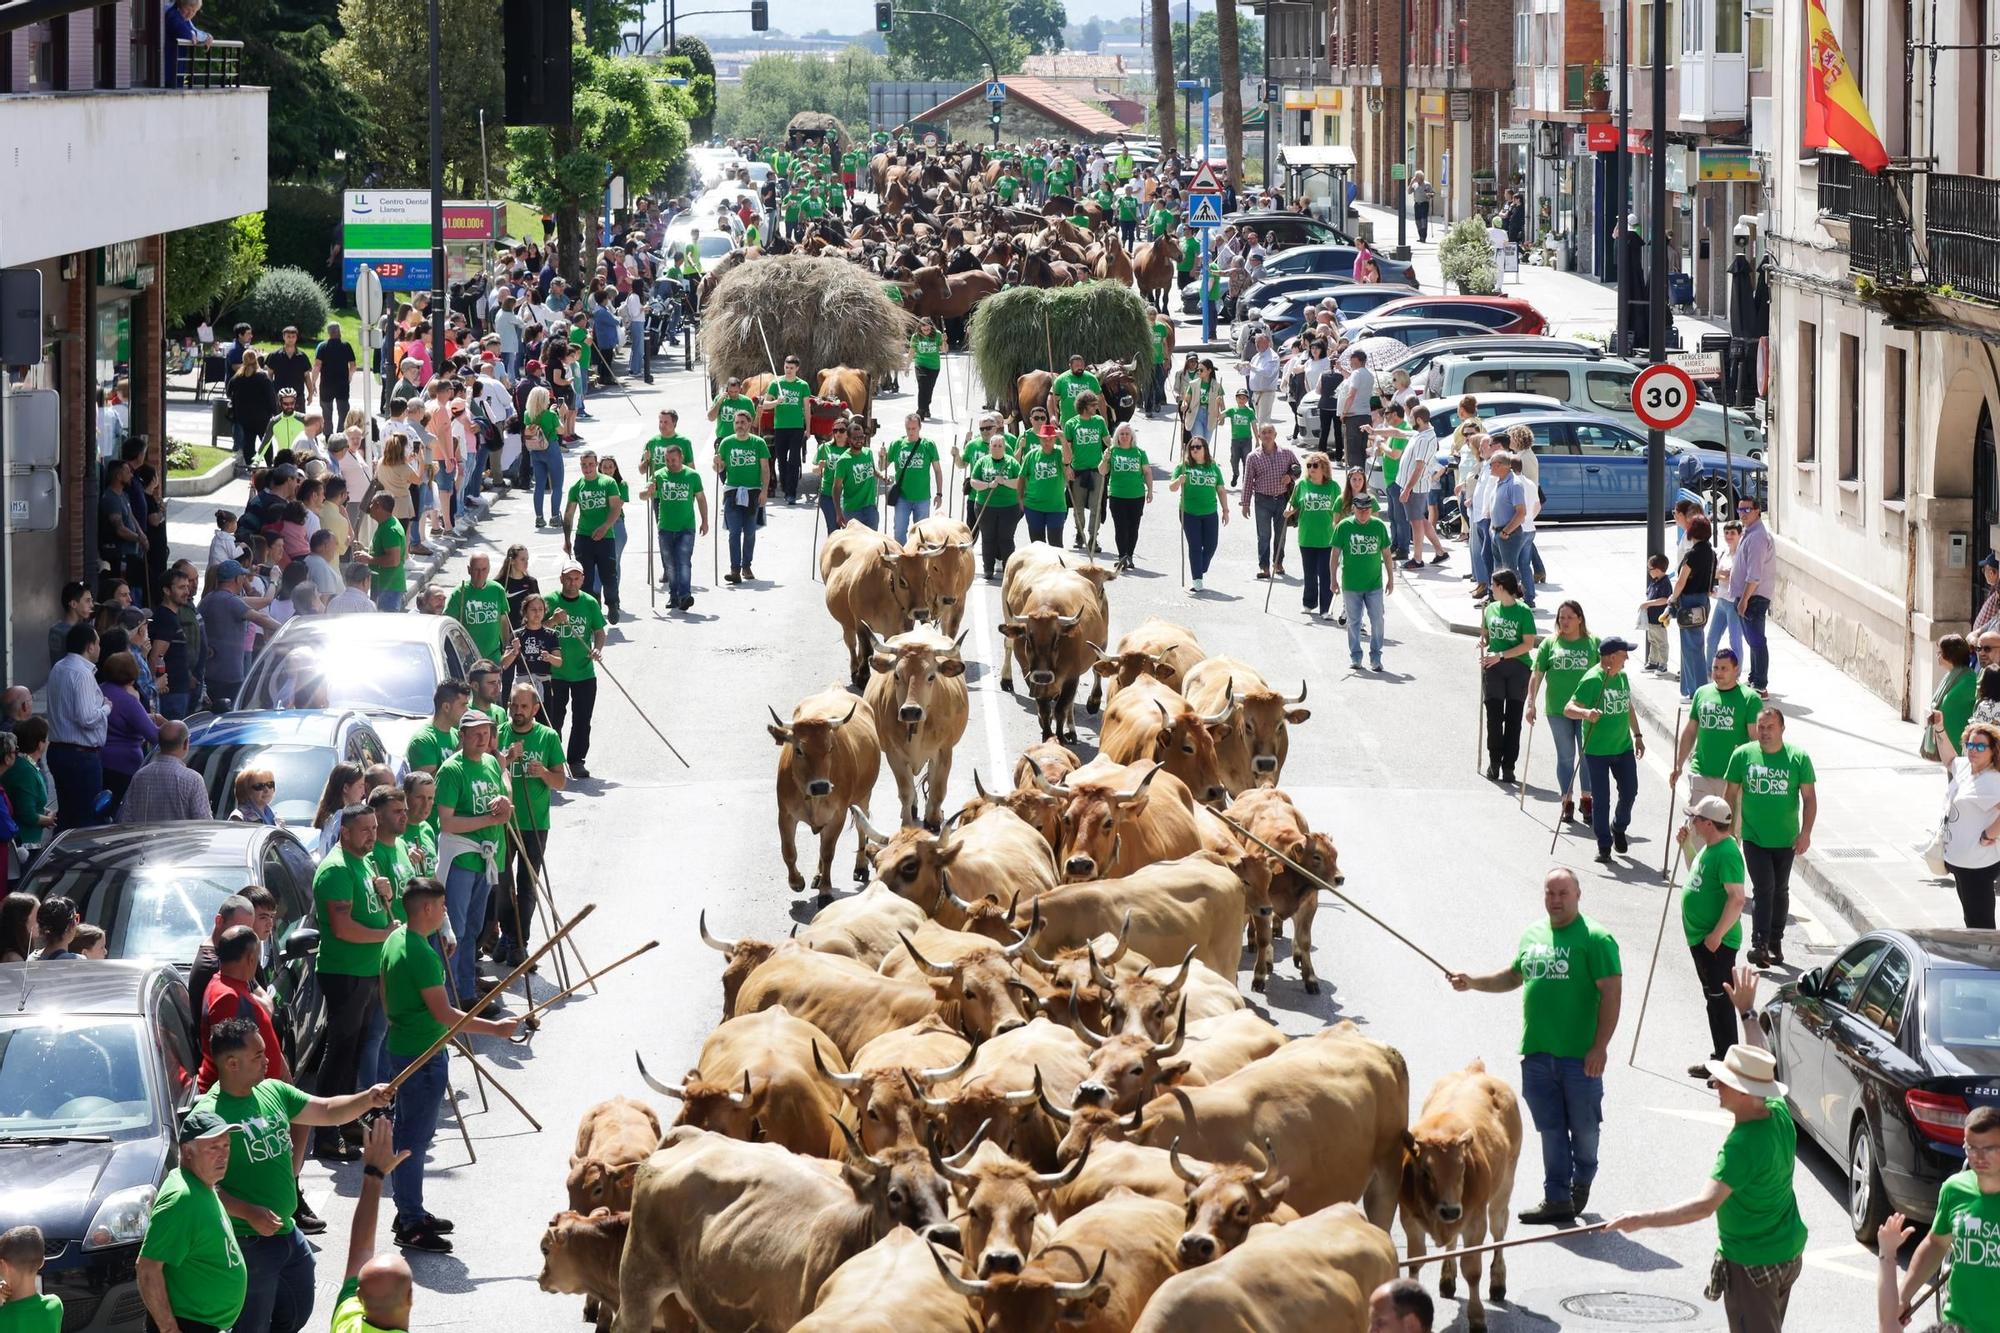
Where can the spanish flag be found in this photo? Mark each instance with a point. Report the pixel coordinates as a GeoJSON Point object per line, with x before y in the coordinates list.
{"type": "Point", "coordinates": [1836, 115]}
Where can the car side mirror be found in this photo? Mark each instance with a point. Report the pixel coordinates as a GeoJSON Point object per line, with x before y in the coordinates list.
{"type": "Point", "coordinates": [301, 943]}
{"type": "Point", "coordinates": [1809, 984]}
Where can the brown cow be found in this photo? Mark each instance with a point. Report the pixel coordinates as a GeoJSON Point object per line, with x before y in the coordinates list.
{"type": "Point", "coordinates": [890, 1076]}
{"type": "Point", "coordinates": [1010, 1077]}
{"type": "Point", "coordinates": [1094, 1275]}
{"type": "Point", "coordinates": [850, 1003]}
{"type": "Point", "coordinates": [1116, 1165]}
{"type": "Point", "coordinates": [991, 997]}
{"type": "Point", "coordinates": [873, 587]}
{"type": "Point", "coordinates": [1142, 1002]}
{"type": "Point", "coordinates": [949, 576]}
{"type": "Point", "coordinates": [613, 1137]}
{"type": "Point", "coordinates": [846, 384]}
{"type": "Point", "coordinates": [1192, 902]}
{"type": "Point", "coordinates": [1052, 618]}
{"type": "Point", "coordinates": [1040, 812]}
{"type": "Point", "coordinates": [917, 693]}
{"type": "Point", "coordinates": [1055, 760]}
{"type": "Point", "coordinates": [758, 1077]}
{"type": "Point", "coordinates": [1127, 1069]}
{"type": "Point", "coordinates": [998, 858]}
{"type": "Point", "coordinates": [828, 760]}
{"type": "Point", "coordinates": [891, 1287]}
{"type": "Point", "coordinates": [865, 925]}
{"type": "Point", "coordinates": [1315, 1273]}
{"type": "Point", "coordinates": [1157, 648]}
{"type": "Point", "coordinates": [580, 1256]}
{"type": "Point", "coordinates": [1285, 894]}
{"type": "Point", "coordinates": [1001, 1200]}
{"type": "Point", "coordinates": [1119, 817]}
{"type": "Point", "coordinates": [1458, 1177]}
{"type": "Point", "coordinates": [1253, 753]}
{"type": "Point", "coordinates": [1224, 1202]}
{"type": "Point", "coordinates": [1150, 721]}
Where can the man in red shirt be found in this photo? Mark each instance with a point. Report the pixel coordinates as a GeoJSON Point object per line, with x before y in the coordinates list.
{"type": "Point", "coordinates": [232, 994]}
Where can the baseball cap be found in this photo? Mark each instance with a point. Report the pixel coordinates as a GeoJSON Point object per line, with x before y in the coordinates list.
{"type": "Point", "coordinates": [1613, 644]}
{"type": "Point", "coordinates": [200, 1123]}
{"type": "Point", "coordinates": [474, 718]}
{"type": "Point", "coordinates": [569, 566]}
{"type": "Point", "coordinates": [284, 472]}
{"type": "Point", "coordinates": [1364, 501]}
{"type": "Point", "coordinates": [1712, 808]}
{"type": "Point", "coordinates": [533, 366]}
{"type": "Point", "coordinates": [230, 569]}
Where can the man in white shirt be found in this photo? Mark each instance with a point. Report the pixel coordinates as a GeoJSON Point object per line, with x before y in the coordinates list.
{"type": "Point", "coordinates": [633, 312]}
{"type": "Point", "coordinates": [1262, 371]}
{"type": "Point", "coordinates": [1479, 514]}
{"type": "Point", "coordinates": [354, 597]}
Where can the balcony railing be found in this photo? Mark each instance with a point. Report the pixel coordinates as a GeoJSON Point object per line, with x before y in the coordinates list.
{"type": "Point", "coordinates": [209, 65]}
{"type": "Point", "coordinates": [1962, 229]}
{"type": "Point", "coordinates": [1836, 175]}
{"type": "Point", "coordinates": [1878, 244]}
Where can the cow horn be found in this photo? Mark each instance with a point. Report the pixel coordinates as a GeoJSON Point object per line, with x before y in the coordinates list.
{"type": "Point", "coordinates": [965, 545]}
{"type": "Point", "coordinates": [1022, 1096]}
{"type": "Point", "coordinates": [1046, 787]}
{"type": "Point", "coordinates": [1034, 996]}
{"type": "Point", "coordinates": [958, 644]}
{"type": "Point", "coordinates": [1180, 1167]}
{"type": "Point", "coordinates": [866, 829]}
{"type": "Point", "coordinates": [1034, 918]}
{"type": "Point", "coordinates": [1270, 1171]}
{"type": "Point", "coordinates": [1070, 622]}
{"type": "Point", "coordinates": [1041, 964]}
{"type": "Point", "coordinates": [948, 1167]}
{"type": "Point", "coordinates": [1077, 1291]}
{"type": "Point", "coordinates": [1228, 706]}
{"type": "Point", "coordinates": [654, 1083]}
{"type": "Point", "coordinates": [1180, 978]}
{"type": "Point", "coordinates": [855, 1149]}
{"type": "Point", "coordinates": [1124, 944]}
{"type": "Point", "coordinates": [779, 722]}
{"type": "Point", "coordinates": [964, 1155]}
{"type": "Point", "coordinates": [931, 549]}
{"type": "Point", "coordinates": [1068, 1173]}
{"type": "Point", "coordinates": [1102, 656]}
{"type": "Point", "coordinates": [933, 1103]}
{"type": "Point", "coordinates": [1132, 1122]}
{"type": "Point", "coordinates": [971, 1288]}
{"type": "Point", "coordinates": [1076, 1024]}
{"type": "Point", "coordinates": [1048, 1107]}
{"type": "Point", "coordinates": [836, 726]}
{"type": "Point", "coordinates": [1302, 693]}
{"type": "Point", "coordinates": [843, 1080]}
{"type": "Point", "coordinates": [979, 786]}
{"type": "Point", "coordinates": [720, 946]}
{"type": "Point", "coordinates": [1012, 951]}
{"type": "Point", "coordinates": [739, 1100]}
{"type": "Point", "coordinates": [945, 893]}
{"type": "Point", "coordinates": [930, 1076]}
{"type": "Point", "coordinates": [1120, 798]}
{"type": "Point", "coordinates": [1172, 1047]}
{"type": "Point", "coordinates": [926, 964]}
{"type": "Point", "coordinates": [1098, 973]}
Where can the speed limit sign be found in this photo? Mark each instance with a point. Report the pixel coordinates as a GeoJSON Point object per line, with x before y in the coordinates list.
{"type": "Point", "coordinates": [1663, 396]}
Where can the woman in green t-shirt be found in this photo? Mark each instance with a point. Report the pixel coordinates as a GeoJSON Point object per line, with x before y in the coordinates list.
{"type": "Point", "coordinates": [1506, 642]}
{"type": "Point", "coordinates": [1130, 490]}
{"type": "Point", "coordinates": [1313, 501]}
{"type": "Point", "coordinates": [1085, 436]}
{"type": "Point", "coordinates": [995, 479]}
{"type": "Point", "coordinates": [1202, 519]}
{"type": "Point", "coordinates": [828, 460]}
{"type": "Point", "coordinates": [541, 434]}
{"type": "Point", "coordinates": [1043, 489]}
{"type": "Point", "coordinates": [1561, 660]}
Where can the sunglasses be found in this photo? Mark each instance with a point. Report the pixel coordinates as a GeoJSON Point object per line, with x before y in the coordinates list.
{"type": "Point", "coordinates": [1978, 746]}
{"type": "Point", "coordinates": [1746, 509]}
{"type": "Point", "coordinates": [263, 786]}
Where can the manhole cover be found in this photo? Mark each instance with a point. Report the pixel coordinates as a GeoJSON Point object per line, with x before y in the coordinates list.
{"type": "Point", "coordinates": [1625, 1307]}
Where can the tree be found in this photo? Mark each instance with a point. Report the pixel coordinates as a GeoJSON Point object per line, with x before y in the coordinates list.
{"type": "Point", "coordinates": [210, 266]}
{"type": "Point", "coordinates": [383, 66]}
{"type": "Point", "coordinates": [1040, 22]}
{"type": "Point", "coordinates": [1164, 95]}
{"type": "Point", "coordinates": [773, 89]}
{"type": "Point", "coordinates": [928, 48]}
{"type": "Point", "coordinates": [1207, 53]}
{"type": "Point", "coordinates": [700, 89]}
{"type": "Point", "coordinates": [1229, 44]}
{"type": "Point", "coordinates": [1091, 36]}
{"type": "Point", "coordinates": [695, 51]}
{"type": "Point", "coordinates": [284, 49]}
{"type": "Point", "coordinates": [607, 21]}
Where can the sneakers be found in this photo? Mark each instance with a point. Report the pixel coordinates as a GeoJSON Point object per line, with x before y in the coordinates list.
{"type": "Point", "coordinates": [1376, 666]}
{"type": "Point", "coordinates": [577, 770]}
{"type": "Point", "coordinates": [307, 1221]}
{"type": "Point", "coordinates": [1579, 1198]}
{"type": "Point", "coordinates": [1757, 957]}
{"type": "Point", "coordinates": [425, 1233]}
{"type": "Point", "coordinates": [1412, 565]}
{"type": "Point", "coordinates": [1549, 1213]}
{"type": "Point", "coordinates": [1195, 586]}
{"type": "Point", "coordinates": [1618, 843]}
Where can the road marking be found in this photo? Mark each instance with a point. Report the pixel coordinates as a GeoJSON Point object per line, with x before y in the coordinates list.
{"type": "Point", "coordinates": [1850, 1260]}
{"type": "Point", "coordinates": [989, 686]}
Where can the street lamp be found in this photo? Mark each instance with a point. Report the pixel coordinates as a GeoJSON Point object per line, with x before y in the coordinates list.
{"type": "Point", "coordinates": [1402, 250]}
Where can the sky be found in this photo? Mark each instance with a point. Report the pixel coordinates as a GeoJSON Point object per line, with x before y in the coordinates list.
{"type": "Point", "coordinates": [844, 16]}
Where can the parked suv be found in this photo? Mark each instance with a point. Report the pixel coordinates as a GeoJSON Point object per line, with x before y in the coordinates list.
{"type": "Point", "coordinates": [1589, 382]}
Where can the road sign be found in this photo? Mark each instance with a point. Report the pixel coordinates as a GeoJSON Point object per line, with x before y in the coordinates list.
{"type": "Point", "coordinates": [1204, 181]}
{"type": "Point", "coordinates": [996, 92]}
{"type": "Point", "coordinates": [1205, 210]}
{"type": "Point", "coordinates": [368, 299]}
{"type": "Point", "coordinates": [1273, 92]}
{"type": "Point", "coordinates": [1663, 396]}
{"type": "Point", "coordinates": [1399, 171]}
{"type": "Point", "coordinates": [390, 231]}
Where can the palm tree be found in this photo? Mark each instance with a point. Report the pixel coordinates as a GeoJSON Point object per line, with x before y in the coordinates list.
{"type": "Point", "coordinates": [1228, 39]}
{"type": "Point", "coordinates": [1164, 92]}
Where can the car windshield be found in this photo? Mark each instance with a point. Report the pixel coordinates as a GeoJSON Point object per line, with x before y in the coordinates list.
{"type": "Point", "coordinates": [72, 1076]}
{"type": "Point", "coordinates": [147, 911]}
{"type": "Point", "coordinates": [1965, 1010]}
{"type": "Point", "coordinates": [312, 671]}
{"type": "Point", "coordinates": [299, 771]}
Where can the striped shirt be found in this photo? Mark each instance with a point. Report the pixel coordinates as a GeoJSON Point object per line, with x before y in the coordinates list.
{"type": "Point", "coordinates": [1270, 473]}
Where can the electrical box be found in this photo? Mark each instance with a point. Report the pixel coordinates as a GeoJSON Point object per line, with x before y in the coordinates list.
{"type": "Point", "coordinates": [34, 428]}
{"type": "Point", "coordinates": [34, 501]}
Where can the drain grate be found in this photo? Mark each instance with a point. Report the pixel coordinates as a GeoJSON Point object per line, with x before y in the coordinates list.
{"type": "Point", "coordinates": [1853, 853]}
{"type": "Point", "coordinates": [1626, 1307]}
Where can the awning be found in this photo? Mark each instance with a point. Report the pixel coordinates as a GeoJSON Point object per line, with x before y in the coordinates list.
{"type": "Point", "coordinates": [1309, 155]}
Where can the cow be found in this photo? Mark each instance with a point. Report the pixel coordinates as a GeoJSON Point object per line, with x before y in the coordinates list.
{"type": "Point", "coordinates": [1055, 760]}
{"type": "Point", "coordinates": [991, 997]}
{"type": "Point", "coordinates": [1001, 1200]}
{"type": "Point", "coordinates": [1335, 1105]}
{"type": "Point", "coordinates": [863, 926]}
{"type": "Point", "coordinates": [1458, 1177]}
{"type": "Point", "coordinates": [889, 1076]}
{"type": "Point", "coordinates": [1128, 1068]}
{"type": "Point", "coordinates": [998, 857]}
{"type": "Point", "coordinates": [1157, 648]}
{"type": "Point", "coordinates": [1191, 902]}
{"type": "Point", "coordinates": [1224, 1202]}
{"type": "Point", "coordinates": [743, 956]}
{"type": "Point", "coordinates": [747, 1233]}
{"type": "Point", "coordinates": [613, 1137]}
{"type": "Point", "coordinates": [873, 587]}
{"type": "Point", "coordinates": [1094, 1275]}
{"type": "Point", "coordinates": [890, 1287]}
{"type": "Point", "coordinates": [1010, 1077]}
{"type": "Point", "coordinates": [1119, 817]}
{"type": "Point", "coordinates": [828, 760]}
{"type": "Point", "coordinates": [1117, 1165]}
{"type": "Point", "coordinates": [851, 1004]}
{"type": "Point", "coordinates": [758, 1076]}
{"type": "Point", "coordinates": [917, 694]}
{"type": "Point", "coordinates": [1029, 804]}
{"type": "Point", "coordinates": [1253, 753]}
{"type": "Point", "coordinates": [1315, 1273]}
{"type": "Point", "coordinates": [1150, 721]}
{"type": "Point", "coordinates": [949, 575]}
{"type": "Point", "coordinates": [847, 385]}
{"type": "Point", "coordinates": [1142, 1002]}
{"type": "Point", "coordinates": [1076, 982]}
{"type": "Point", "coordinates": [580, 1257]}
{"type": "Point", "coordinates": [1052, 618]}
{"type": "Point", "coordinates": [1285, 893]}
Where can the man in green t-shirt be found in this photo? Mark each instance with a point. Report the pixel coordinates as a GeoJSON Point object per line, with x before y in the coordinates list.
{"type": "Point", "coordinates": [914, 474]}
{"type": "Point", "coordinates": [790, 398]}
{"type": "Point", "coordinates": [573, 679]}
{"type": "Point", "coordinates": [677, 496]}
{"type": "Point", "coordinates": [1612, 743]}
{"type": "Point", "coordinates": [377, 1291]}
{"type": "Point", "coordinates": [1571, 983]}
{"type": "Point", "coordinates": [480, 605]}
{"type": "Point", "coordinates": [351, 912]}
{"type": "Point", "coordinates": [1718, 721]}
{"type": "Point", "coordinates": [727, 404]}
{"type": "Point", "coordinates": [532, 753]}
{"type": "Point", "coordinates": [190, 1268]}
{"type": "Point", "coordinates": [1761, 1238]}
{"type": "Point", "coordinates": [1772, 789]}
{"type": "Point", "coordinates": [1242, 420]}
{"type": "Point", "coordinates": [655, 456]}
{"type": "Point", "coordinates": [437, 738]}
{"type": "Point", "coordinates": [927, 358]}
{"type": "Point", "coordinates": [472, 813]}
{"type": "Point", "coordinates": [259, 1190]}
{"type": "Point", "coordinates": [1712, 910]}
{"type": "Point", "coordinates": [1967, 1227]}
{"type": "Point", "coordinates": [1069, 386]}
{"type": "Point", "coordinates": [1086, 435]}
{"type": "Point", "coordinates": [388, 550]}
{"type": "Point", "coordinates": [391, 855]}
{"type": "Point", "coordinates": [742, 468]}
{"type": "Point", "coordinates": [1367, 575]}
{"type": "Point", "coordinates": [589, 517]}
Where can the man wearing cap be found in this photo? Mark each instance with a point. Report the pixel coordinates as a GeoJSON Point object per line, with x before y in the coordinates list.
{"type": "Point", "coordinates": [480, 605]}
{"type": "Point", "coordinates": [573, 679]}
{"type": "Point", "coordinates": [1612, 745]}
{"type": "Point", "coordinates": [1367, 575]}
{"type": "Point", "coordinates": [473, 810]}
{"type": "Point", "coordinates": [1572, 985]}
{"type": "Point", "coordinates": [225, 612]}
{"type": "Point", "coordinates": [1761, 1236]}
{"type": "Point", "coordinates": [1711, 913]}
{"type": "Point", "coordinates": [191, 1274]}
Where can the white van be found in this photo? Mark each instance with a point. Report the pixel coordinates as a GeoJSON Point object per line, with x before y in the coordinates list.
{"type": "Point", "coordinates": [1588, 382]}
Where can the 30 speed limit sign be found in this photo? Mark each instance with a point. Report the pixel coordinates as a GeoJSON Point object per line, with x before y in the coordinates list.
{"type": "Point", "coordinates": [1663, 396]}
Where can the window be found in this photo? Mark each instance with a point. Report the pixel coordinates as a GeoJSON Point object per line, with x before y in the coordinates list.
{"type": "Point", "coordinates": [1807, 407]}
{"type": "Point", "coordinates": [1895, 436]}
{"type": "Point", "coordinates": [1844, 978]}
{"type": "Point", "coordinates": [1760, 42]}
{"type": "Point", "coordinates": [1595, 441]}
{"type": "Point", "coordinates": [1549, 383]}
{"type": "Point", "coordinates": [1882, 1002]}
{"type": "Point", "coordinates": [1486, 381]}
{"type": "Point", "coordinates": [1729, 27]}
{"type": "Point", "coordinates": [1848, 391]}
{"type": "Point", "coordinates": [1609, 389]}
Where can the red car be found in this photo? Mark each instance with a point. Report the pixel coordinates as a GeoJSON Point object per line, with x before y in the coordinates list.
{"type": "Point", "coordinates": [1502, 314]}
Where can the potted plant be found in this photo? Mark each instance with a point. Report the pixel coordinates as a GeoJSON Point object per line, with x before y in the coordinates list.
{"type": "Point", "coordinates": [1466, 258]}
{"type": "Point", "coordinates": [1599, 96]}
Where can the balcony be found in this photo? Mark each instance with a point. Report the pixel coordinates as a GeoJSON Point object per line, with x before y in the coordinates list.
{"type": "Point", "coordinates": [1836, 177]}
{"type": "Point", "coordinates": [1714, 86]}
{"type": "Point", "coordinates": [1878, 245]}
{"type": "Point", "coordinates": [209, 66]}
{"type": "Point", "coordinates": [1962, 228]}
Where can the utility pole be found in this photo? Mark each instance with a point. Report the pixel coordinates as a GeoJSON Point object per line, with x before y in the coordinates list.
{"type": "Point", "coordinates": [1621, 176]}
{"type": "Point", "coordinates": [1187, 77]}
{"type": "Point", "coordinates": [1656, 302]}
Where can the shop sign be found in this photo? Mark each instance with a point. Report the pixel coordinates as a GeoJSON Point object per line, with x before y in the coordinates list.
{"type": "Point", "coordinates": [1461, 105]}
{"type": "Point", "coordinates": [118, 264]}
{"type": "Point", "coordinates": [1601, 138]}
{"type": "Point", "coordinates": [1515, 136]}
{"type": "Point", "coordinates": [469, 223]}
{"type": "Point", "coordinates": [1726, 164]}
{"type": "Point", "coordinates": [1431, 106]}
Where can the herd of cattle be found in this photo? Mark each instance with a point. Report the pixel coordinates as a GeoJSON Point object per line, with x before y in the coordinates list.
{"type": "Point", "coordinates": [1011, 1084]}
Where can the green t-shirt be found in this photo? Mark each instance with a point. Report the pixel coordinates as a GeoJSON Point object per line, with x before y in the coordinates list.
{"type": "Point", "coordinates": [1087, 437]}
{"type": "Point", "coordinates": [1242, 421]}
{"type": "Point", "coordinates": [1045, 491]}
{"type": "Point", "coordinates": [592, 497]}
{"type": "Point", "coordinates": [1759, 1223]}
{"type": "Point", "coordinates": [260, 1157]}
{"type": "Point", "coordinates": [28, 796]}
{"type": "Point", "coordinates": [531, 795]}
{"type": "Point", "coordinates": [1037, 168]}
{"type": "Point", "coordinates": [1562, 663]}
{"type": "Point", "coordinates": [1129, 466]}
{"type": "Point", "coordinates": [910, 461]}
{"type": "Point", "coordinates": [1104, 200]}
{"type": "Point", "coordinates": [1315, 501]}
{"type": "Point", "coordinates": [1392, 456]}
{"type": "Point", "coordinates": [1128, 208]}
{"type": "Point", "coordinates": [420, 845]}
{"type": "Point", "coordinates": [409, 968]}
{"type": "Point", "coordinates": [1507, 626]}
{"type": "Point", "coordinates": [857, 480]}
{"type": "Point", "coordinates": [1722, 722]}
{"type": "Point", "coordinates": [726, 410]}
{"type": "Point", "coordinates": [579, 338]}
{"type": "Point", "coordinates": [577, 633]}
{"type": "Point", "coordinates": [1559, 971]}
{"type": "Point", "coordinates": [392, 862]}
{"type": "Point", "coordinates": [1612, 697]}
{"type": "Point", "coordinates": [1199, 483]}
{"type": "Point", "coordinates": [927, 350]}
{"type": "Point", "coordinates": [742, 459]}
{"type": "Point", "coordinates": [1771, 790]}
{"type": "Point", "coordinates": [1070, 387]}
{"type": "Point", "coordinates": [1006, 188]}
{"type": "Point", "coordinates": [788, 403]}
{"type": "Point", "coordinates": [548, 423]}
{"type": "Point", "coordinates": [1161, 331]}
{"type": "Point", "coordinates": [1957, 705]}
{"type": "Point", "coordinates": [998, 471]}
{"type": "Point", "coordinates": [791, 208]}
{"type": "Point", "coordinates": [1704, 897]}
{"type": "Point", "coordinates": [673, 498]}
{"type": "Point", "coordinates": [189, 1234]}
{"type": "Point", "coordinates": [655, 457]}
{"type": "Point", "coordinates": [32, 1314]}
{"type": "Point", "coordinates": [348, 879]}
{"type": "Point", "coordinates": [431, 746]}
{"type": "Point", "coordinates": [468, 787]}
{"type": "Point", "coordinates": [1972, 1220]}
{"type": "Point", "coordinates": [1362, 544]}
{"type": "Point", "coordinates": [1161, 223]}
{"type": "Point", "coordinates": [389, 537]}
{"type": "Point", "coordinates": [483, 612]}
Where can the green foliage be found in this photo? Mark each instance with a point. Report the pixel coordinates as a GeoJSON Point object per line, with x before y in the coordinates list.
{"type": "Point", "coordinates": [1207, 50]}
{"type": "Point", "coordinates": [301, 225]}
{"type": "Point", "coordinates": [285, 298]}
{"type": "Point", "coordinates": [1014, 331]}
{"type": "Point", "coordinates": [209, 266]}
{"type": "Point", "coordinates": [383, 66]}
{"type": "Point", "coordinates": [607, 21]}
{"type": "Point", "coordinates": [1041, 22]}
{"type": "Point", "coordinates": [180, 456]}
{"type": "Point", "coordinates": [927, 48]}
{"type": "Point", "coordinates": [1466, 258]}
{"type": "Point", "coordinates": [695, 50]}
{"type": "Point", "coordinates": [700, 90]}
{"type": "Point", "coordinates": [776, 88]}
{"type": "Point", "coordinates": [1091, 36]}
{"type": "Point", "coordinates": [284, 49]}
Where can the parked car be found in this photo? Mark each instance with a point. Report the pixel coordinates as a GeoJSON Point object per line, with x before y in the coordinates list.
{"type": "Point", "coordinates": [299, 746]}
{"type": "Point", "coordinates": [1418, 362]}
{"type": "Point", "coordinates": [1594, 467]}
{"type": "Point", "coordinates": [1590, 381]}
{"type": "Point", "coordinates": [385, 666]}
{"type": "Point", "coordinates": [1268, 288]}
{"type": "Point", "coordinates": [97, 1061]}
{"type": "Point", "coordinates": [1885, 1052]}
{"type": "Point", "coordinates": [1409, 331]}
{"type": "Point", "coordinates": [1335, 262]}
{"type": "Point", "coordinates": [1282, 231]}
{"type": "Point", "coordinates": [1283, 317]}
{"type": "Point", "coordinates": [154, 889]}
{"type": "Point", "coordinates": [1501, 314]}
{"type": "Point", "coordinates": [1444, 411]}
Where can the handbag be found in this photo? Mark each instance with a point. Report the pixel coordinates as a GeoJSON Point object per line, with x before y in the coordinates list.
{"type": "Point", "coordinates": [1932, 853]}
{"type": "Point", "coordinates": [1691, 615]}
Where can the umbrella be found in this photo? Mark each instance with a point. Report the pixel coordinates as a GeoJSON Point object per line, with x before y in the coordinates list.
{"type": "Point", "coordinates": [1380, 351]}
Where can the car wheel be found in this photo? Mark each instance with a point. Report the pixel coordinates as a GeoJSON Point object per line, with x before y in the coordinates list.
{"type": "Point", "coordinates": [1867, 1199]}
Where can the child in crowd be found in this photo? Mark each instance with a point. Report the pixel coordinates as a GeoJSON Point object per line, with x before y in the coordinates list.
{"type": "Point", "coordinates": [223, 545]}
{"type": "Point", "coordinates": [22, 1305]}
{"type": "Point", "coordinates": [1659, 594]}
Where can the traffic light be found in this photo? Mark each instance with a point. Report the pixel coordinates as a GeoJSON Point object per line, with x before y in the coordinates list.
{"type": "Point", "coordinates": [883, 15]}
{"type": "Point", "coordinates": [994, 119]}
{"type": "Point", "coordinates": [760, 15]}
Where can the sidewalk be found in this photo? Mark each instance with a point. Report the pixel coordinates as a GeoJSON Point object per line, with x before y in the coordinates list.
{"type": "Point", "coordinates": [1878, 799]}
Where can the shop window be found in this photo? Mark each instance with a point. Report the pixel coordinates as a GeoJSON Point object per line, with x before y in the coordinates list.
{"type": "Point", "coordinates": [1806, 408]}
{"type": "Point", "coordinates": [1848, 393]}
{"type": "Point", "coordinates": [1895, 433]}
{"type": "Point", "coordinates": [1760, 42]}
{"type": "Point", "coordinates": [1728, 27]}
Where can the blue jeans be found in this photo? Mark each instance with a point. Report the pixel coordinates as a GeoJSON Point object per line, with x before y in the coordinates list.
{"type": "Point", "coordinates": [635, 333]}
{"type": "Point", "coordinates": [579, 378]}
{"type": "Point", "coordinates": [1607, 771]}
{"type": "Point", "coordinates": [677, 556]}
{"type": "Point", "coordinates": [1694, 663]}
{"type": "Point", "coordinates": [475, 472]}
{"type": "Point", "coordinates": [419, 1105]}
{"type": "Point", "coordinates": [279, 1297]}
{"type": "Point", "coordinates": [1567, 1106]}
{"type": "Point", "coordinates": [1318, 562]}
{"type": "Point", "coordinates": [1269, 511]}
{"type": "Point", "coordinates": [1512, 553]}
{"type": "Point", "coordinates": [1399, 520]}
{"type": "Point", "coordinates": [618, 535]}
{"type": "Point", "coordinates": [827, 512]}
{"type": "Point", "coordinates": [741, 523]}
{"type": "Point", "coordinates": [1760, 644]}
{"type": "Point", "coordinates": [1723, 618]}
{"type": "Point", "coordinates": [871, 517]}
{"type": "Point", "coordinates": [1355, 603]}
{"type": "Point", "coordinates": [373, 1051]}
{"type": "Point", "coordinates": [907, 512]}
{"type": "Point", "coordinates": [1568, 732]}
{"type": "Point", "coordinates": [1203, 531]}
{"type": "Point", "coordinates": [174, 705]}
{"type": "Point", "coordinates": [389, 599]}
{"type": "Point", "coordinates": [599, 558]}
{"type": "Point", "coordinates": [465, 894]}
{"type": "Point", "coordinates": [79, 777]}
{"type": "Point", "coordinates": [1482, 551]}
{"type": "Point", "coordinates": [1046, 526]}
{"type": "Point", "coordinates": [546, 468]}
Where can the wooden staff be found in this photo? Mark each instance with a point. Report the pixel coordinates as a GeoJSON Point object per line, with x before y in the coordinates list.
{"type": "Point", "coordinates": [545, 897]}
{"type": "Point", "coordinates": [1672, 797]}
{"type": "Point", "coordinates": [591, 980]}
{"type": "Point", "coordinates": [1527, 753]}
{"type": "Point", "coordinates": [652, 582]}
{"type": "Point", "coordinates": [479, 1069]}
{"type": "Point", "coordinates": [642, 715]}
{"type": "Point", "coordinates": [1930, 1290]}
{"type": "Point", "coordinates": [1418, 1262]}
{"type": "Point", "coordinates": [489, 997]}
{"type": "Point", "coordinates": [1639, 1026]}
{"type": "Point", "coordinates": [1294, 865]}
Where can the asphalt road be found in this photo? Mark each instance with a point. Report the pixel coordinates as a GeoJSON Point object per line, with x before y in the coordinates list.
{"type": "Point", "coordinates": [1385, 765]}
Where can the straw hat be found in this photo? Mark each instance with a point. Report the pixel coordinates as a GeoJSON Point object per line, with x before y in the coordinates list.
{"type": "Point", "coordinates": [1750, 1070]}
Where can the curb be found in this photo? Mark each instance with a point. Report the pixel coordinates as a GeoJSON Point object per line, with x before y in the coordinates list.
{"type": "Point", "coordinates": [208, 483]}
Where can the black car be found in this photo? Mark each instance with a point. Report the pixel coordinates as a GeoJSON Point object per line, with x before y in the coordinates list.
{"type": "Point", "coordinates": [1885, 1052]}
{"type": "Point", "coordinates": [97, 1060]}
{"type": "Point", "coordinates": [154, 889]}
{"type": "Point", "coordinates": [1282, 231]}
